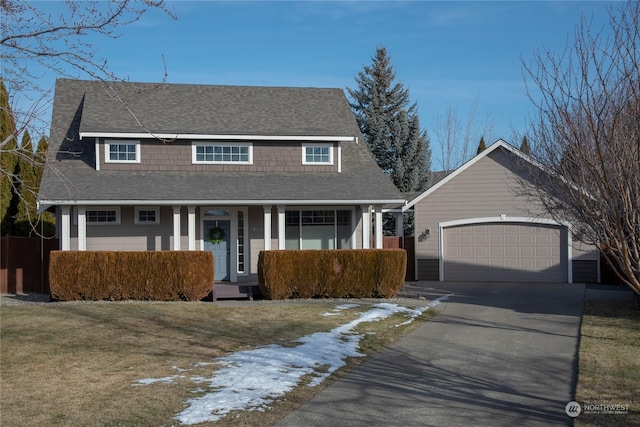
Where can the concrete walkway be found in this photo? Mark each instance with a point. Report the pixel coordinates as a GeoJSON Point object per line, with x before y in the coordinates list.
{"type": "Point", "coordinates": [497, 355]}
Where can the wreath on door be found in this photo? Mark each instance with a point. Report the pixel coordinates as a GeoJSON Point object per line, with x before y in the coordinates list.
{"type": "Point", "coordinates": [217, 235]}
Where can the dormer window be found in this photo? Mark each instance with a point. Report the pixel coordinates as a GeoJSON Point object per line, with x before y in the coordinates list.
{"type": "Point", "coordinates": [222, 153]}
{"type": "Point", "coordinates": [122, 151]}
{"type": "Point", "coordinates": [317, 154]}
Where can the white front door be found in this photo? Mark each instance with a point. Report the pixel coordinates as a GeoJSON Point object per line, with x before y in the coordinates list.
{"type": "Point", "coordinates": [217, 239]}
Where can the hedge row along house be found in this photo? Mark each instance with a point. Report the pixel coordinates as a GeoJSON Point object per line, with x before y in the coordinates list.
{"type": "Point", "coordinates": [237, 170]}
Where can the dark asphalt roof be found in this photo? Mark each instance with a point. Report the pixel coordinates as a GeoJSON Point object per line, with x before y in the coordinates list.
{"type": "Point", "coordinates": [91, 106]}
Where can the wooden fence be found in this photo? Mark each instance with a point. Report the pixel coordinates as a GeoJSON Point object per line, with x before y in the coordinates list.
{"type": "Point", "coordinates": [408, 244]}
{"type": "Point", "coordinates": [24, 264]}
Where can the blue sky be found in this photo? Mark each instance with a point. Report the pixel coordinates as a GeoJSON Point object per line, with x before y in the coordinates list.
{"type": "Point", "coordinates": [446, 53]}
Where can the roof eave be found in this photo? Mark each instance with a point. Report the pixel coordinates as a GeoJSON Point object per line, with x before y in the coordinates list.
{"type": "Point", "coordinates": [192, 136]}
{"type": "Point", "coordinates": [43, 204]}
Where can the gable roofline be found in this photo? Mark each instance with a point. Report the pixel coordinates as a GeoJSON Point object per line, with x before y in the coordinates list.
{"type": "Point", "coordinates": [500, 143]}
{"type": "Point", "coordinates": [192, 136]}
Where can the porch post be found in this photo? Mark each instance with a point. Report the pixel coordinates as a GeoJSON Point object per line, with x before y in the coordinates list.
{"type": "Point", "coordinates": [378, 209]}
{"type": "Point", "coordinates": [65, 228]}
{"type": "Point", "coordinates": [192, 227]}
{"type": "Point", "coordinates": [366, 227]}
{"type": "Point", "coordinates": [82, 228]}
{"type": "Point", "coordinates": [399, 224]}
{"type": "Point", "coordinates": [176, 228]}
{"type": "Point", "coordinates": [354, 222]}
{"type": "Point", "coordinates": [281, 227]}
{"type": "Point", "coordinates": [267, 227]}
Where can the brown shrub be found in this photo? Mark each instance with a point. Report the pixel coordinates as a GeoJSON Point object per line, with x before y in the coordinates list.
{"type": "Point", "coordinates": [351, 273]}
{"type": "Point", "coordinates": [105, 275]}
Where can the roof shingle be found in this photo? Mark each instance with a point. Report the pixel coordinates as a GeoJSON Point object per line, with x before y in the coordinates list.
{"type": "Point", "coordinates": [90, 106]}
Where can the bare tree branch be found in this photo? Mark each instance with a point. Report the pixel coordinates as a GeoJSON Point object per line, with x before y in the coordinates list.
{"type": "Point", "coordinates": [587, 137]}
{"type": "Point", "coordinates": [35, 41]}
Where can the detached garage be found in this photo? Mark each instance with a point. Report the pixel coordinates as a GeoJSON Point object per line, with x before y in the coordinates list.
{"type": "Point", "coordinates": [474, 225]}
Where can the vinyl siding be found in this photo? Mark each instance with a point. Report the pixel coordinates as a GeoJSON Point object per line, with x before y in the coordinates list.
{"type": "Point", "coordinates": [487, 189]}
{"type": "Point", "coordinates": [256, 235]}
{"type": "Point", "coordinates": [128, 236]}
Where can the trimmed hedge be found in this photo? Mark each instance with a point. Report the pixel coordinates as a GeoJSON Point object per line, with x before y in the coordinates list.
{"type": "Point", "coordinates": [350, 273]}
{"type": "Point", "coordinates": [106, 275]}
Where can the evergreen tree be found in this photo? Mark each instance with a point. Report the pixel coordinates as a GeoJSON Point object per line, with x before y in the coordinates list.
{"type": "Point", "coordinates": [8, 162]}
{"type": "Point", "coordinates": [413, 156]}
{"type": "Point", "coordinates": [41, 157]}
{"type": "Point", "coordinates": [48, 226]}
{"type": "Point", "coordinates": [27, 189]}
{"type": "Point", "coordinates": [390, 125]}
{"type": "Point", "coordinates": [524, 147]}
{"type": "Point", "coordinates": [482, 146]}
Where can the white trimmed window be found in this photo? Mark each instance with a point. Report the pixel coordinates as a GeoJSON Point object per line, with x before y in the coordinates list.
{"type": "Point", "coordinates": [318, 229]}
{"type": "Point", "coordinates": [222, 153]}
{"type": "Point", "coordinates": [317, 154]}
{"type": "Point", "coordinates": [147, 215]}
{"type": "Point", "coordinates": [103, 216]}
{"type": "Point", "coordinates": [121, 151]}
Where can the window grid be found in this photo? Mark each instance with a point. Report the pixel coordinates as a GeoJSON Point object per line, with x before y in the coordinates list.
{"type": "Point", "coordinates": [318, 155]}
{"type": "Point", "coordinates": [147, 216]}
{"type": "Point", "coordinates": [101, 216]}
{"type": "Point", "coordinates": [122, 152]}
{"type": "Point", "coordinates": [318, 217]}
{"type": "Point", "coordinates": [222, 153]}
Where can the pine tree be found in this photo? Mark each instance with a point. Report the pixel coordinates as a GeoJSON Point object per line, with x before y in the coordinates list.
{"type": "Point", "coordinates": [390, 126]}
{"type": "Point", "coordinates": [27, 188]}
{"type": "Point", "coordinates": [524, 147]}
{"type": "Point", "coordinates": [413, 155]}
{"type": "Point", "coordinates": [41, 157]}
{"type": "Point", "coordinates": [482, 146]}
{"type": "Point", "coordinates": [47, 219]}
{"type": "Point", "coordinates": [8, 162]}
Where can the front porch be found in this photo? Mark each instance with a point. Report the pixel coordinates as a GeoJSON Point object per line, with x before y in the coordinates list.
{"type": "Point", "coordinates": [251, 228]}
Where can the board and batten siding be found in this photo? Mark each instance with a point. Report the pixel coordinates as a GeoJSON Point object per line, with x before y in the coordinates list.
{"type": "Point", "coordinates": [487, 189]}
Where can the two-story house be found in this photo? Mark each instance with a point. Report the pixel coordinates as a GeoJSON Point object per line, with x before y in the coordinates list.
{"type": "Point", "coordinates": [230, 169]}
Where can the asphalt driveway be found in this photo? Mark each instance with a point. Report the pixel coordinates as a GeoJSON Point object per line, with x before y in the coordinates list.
{"type": "Point", "coordinates": [498, 354]}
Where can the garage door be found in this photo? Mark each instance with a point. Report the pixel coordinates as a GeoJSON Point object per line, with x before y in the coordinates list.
{"type": "Point", "coordinates": [511, 252]}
